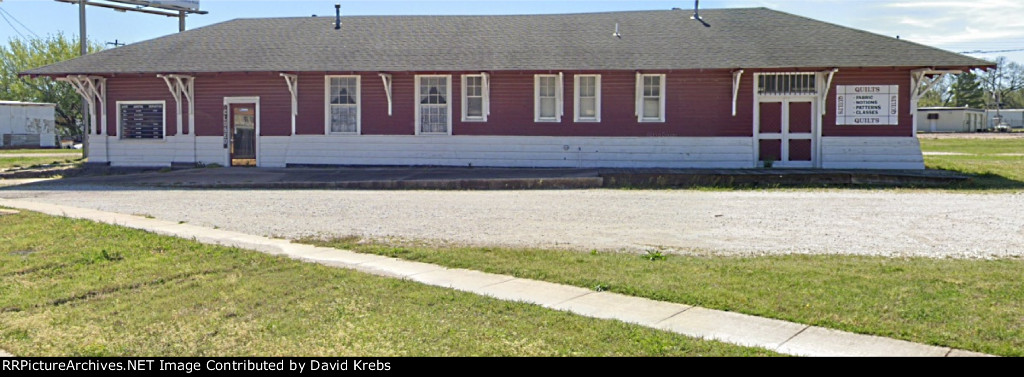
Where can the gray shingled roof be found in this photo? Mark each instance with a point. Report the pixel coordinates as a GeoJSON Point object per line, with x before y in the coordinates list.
{"type": "Point", "coordinates": [737, 38]}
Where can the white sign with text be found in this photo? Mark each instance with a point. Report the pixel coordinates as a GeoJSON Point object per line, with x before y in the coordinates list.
{"type": "Point", "coordinates": [862, 105]}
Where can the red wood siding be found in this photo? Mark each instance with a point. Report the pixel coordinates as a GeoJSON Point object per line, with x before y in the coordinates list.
{"type": "Point", "coordinates": [851, 76]}
{"type": "Point", "coordinates": [698, 103]}
{"type": "Point", "coordinates": [140, 89]}
{"type": "Point", "coordinates": [275, 101]}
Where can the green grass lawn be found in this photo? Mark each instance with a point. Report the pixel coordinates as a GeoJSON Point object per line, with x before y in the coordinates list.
{"type": "Point", "coordinates": [41, 151]}
{"type": "Point", "coordinates": [985, 160]}
{"type": "Point", "coordinates": [17, 163]}
{"type": "Point", "coordinates": [73, 287]}
{"type": "Point", "coordinates": [969, 304]}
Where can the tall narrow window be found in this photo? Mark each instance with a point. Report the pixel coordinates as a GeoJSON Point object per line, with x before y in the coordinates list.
{"type": "Point", "coordinates": [547, 98]}
{"type": "Point", "coordinates": [433, 115]}
{"type": "Point", "coordinates": [475, 99]}
{"type": "Point", "coordinates": [343, 104]}
{"type": "Point", "coordinates": [588, 98]}
{"type": "Point", "coordinates": [650, 98]}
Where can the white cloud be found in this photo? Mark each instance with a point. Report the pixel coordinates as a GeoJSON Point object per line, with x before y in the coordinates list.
{"type": "Point", "coordinates": [960, 25]}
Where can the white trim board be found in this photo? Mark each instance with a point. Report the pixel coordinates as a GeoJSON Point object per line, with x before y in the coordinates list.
{"type": "Point", "coordinates": [510, 151]}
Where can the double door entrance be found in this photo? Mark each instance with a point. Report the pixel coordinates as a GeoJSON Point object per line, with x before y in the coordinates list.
{"type": "Point", "coordinates": [787, 132]}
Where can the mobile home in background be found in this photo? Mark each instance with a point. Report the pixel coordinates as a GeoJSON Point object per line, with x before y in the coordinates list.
{"type": "Point", "coordinates": [27, 125]}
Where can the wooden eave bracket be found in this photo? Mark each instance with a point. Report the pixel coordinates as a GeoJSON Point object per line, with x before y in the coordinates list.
{"type": "Point", "coordinates": [828, 86]}
{"type": "Point", "coordinates": [292, 80]}
{"type": "Point", "coordinates": [487, 92]}
{"type": "Point", "coordinates": [737, 75]}
{"type": "Point", "coordinates": [386, 79]}
{"type": "Point", "coordinates": [561, 95]}
{"type": "Point", "coordinates": [94, 90]}
{"type": "Point", "coordinates": [182, 85]}
{"type": "Point", "coordinates": [921, 83]}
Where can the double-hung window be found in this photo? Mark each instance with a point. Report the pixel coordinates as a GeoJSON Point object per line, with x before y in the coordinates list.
{"type": "Point", "coordinates": [547, 98]}
{"type": "Point", "coordinates": [143, 120]}
{"type": "Point", "coordinates": [475, 97]}
{"type": "Point", "coordinates": [343, 105]}
{"type": "Point", "coordinates": [433, 111]}
{"type": "Point", "coordinates": [587, 100]}
{"type": "Point", "coordinates": [650, 97]}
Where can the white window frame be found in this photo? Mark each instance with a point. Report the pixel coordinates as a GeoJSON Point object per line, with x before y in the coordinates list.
{"type": "Point", "coordinates": [559, 107]}
{"type": "Point", "coordinates": [577, 99]}
{"type": "Point", "coordinates": [120, 129]}
{"type": "Point", "coordinates": [485, 93]}
{"type": "Point", "coordinates": [640, 98]}
{"type": "Point", "coordinates": [448, 97]}
{"type": "Point", "coordinates": [327, 105]}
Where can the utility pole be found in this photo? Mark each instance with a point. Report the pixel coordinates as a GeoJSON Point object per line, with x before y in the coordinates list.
{"type": "Point", "coordinates": [142, 6]}
{"type": "Point", "coordinates": [83, 50]}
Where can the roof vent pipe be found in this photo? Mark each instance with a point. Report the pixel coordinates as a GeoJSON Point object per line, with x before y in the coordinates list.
{"type": "Point", "coordinates": [337, 16]}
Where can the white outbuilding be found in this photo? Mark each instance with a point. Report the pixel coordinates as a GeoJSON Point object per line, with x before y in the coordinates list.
{"type": "Point", "coordinates": [950, 119]}
{"type": "Point", "coordinates": [27, 124]}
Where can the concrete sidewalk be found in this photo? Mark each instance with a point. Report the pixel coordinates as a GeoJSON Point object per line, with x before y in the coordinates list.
{"type": "Point", "coordinates": [781, 336]}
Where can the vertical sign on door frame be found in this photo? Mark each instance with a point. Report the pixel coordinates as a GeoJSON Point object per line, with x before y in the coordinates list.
{"type": "Point", "coordinates": [227, 127]}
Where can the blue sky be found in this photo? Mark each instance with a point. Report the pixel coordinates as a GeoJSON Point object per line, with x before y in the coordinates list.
{"type": "Point", "coordinates": [949, 24]}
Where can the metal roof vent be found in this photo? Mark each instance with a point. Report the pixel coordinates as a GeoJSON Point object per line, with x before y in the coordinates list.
{"type": "Point", "coordinates": [337, 16]}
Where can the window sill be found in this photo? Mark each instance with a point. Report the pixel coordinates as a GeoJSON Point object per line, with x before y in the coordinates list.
{"type": "Point", "coordinates": [651, 121]}
{"type": "Point", "coordinates": [471, 120]}
{"type": "Point", "coordinates": [547, 121]}
{"type": "Point", "coordinates": [585, 120]}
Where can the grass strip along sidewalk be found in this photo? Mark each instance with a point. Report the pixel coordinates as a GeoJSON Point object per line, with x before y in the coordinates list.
{"type": "Point", "coordinates": [78, 288]}
{"type": "Point", "coordinates": [967, 304]}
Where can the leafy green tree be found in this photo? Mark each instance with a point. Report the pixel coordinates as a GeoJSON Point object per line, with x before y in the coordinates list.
{"type": "Point", "coordinates": [1002, 82]}
{"type": "Point", "coordinates": [966, 91]}
{"type": "Point", "coordinates": [20, 55]}
{"type": "Point", "coordinates": [938, 95]}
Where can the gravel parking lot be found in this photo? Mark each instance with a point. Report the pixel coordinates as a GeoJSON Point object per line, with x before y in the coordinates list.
{"type": "Point", "coordinates": [892, 223]}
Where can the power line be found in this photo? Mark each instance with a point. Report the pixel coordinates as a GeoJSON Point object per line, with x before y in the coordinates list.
{"type": "Point", "coordinates": [4, 11]}
{"type": "Point", "coordinates": [991, 51]}
{"type": "Point", "coordinates": [12, 26]}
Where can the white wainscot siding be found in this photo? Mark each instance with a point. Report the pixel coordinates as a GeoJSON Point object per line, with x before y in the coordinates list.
{"type": "Point", "coordinates": [157, 153]}
{"type": "Point", "coordinates": [508, 151]}
{"type": "Point", "coordinates": [871, 153]}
